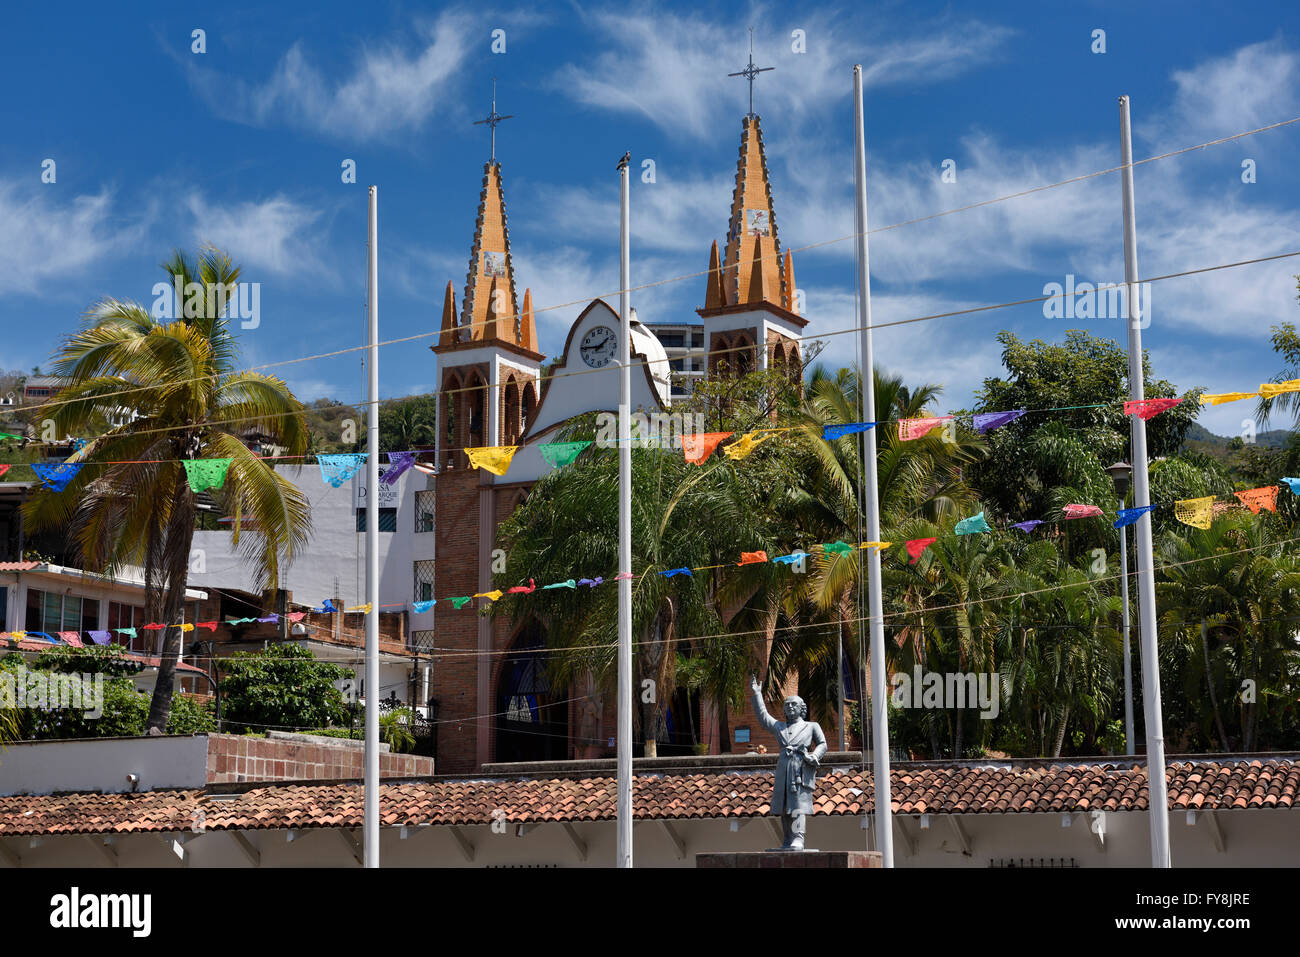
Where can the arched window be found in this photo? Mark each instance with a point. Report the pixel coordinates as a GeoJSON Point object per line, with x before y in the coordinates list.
{"type": "Point", "coordinates": [510, 404]}
{"type": "Point", "coordinates": [532, 721]}
{"type": "Point", "coordinates": [530, 405]}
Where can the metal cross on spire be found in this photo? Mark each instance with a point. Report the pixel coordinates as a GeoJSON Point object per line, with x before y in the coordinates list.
{"type": "Point", "coordinates": [493, 119]}
{"type": "Point", "coordinates": [752, 71]}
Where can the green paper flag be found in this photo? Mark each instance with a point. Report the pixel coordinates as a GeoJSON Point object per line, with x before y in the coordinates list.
{"type": "Point", "coordinates": [564, 584]}
{"type": "Point", "coordinates": [5, 436]}
{"type": "Point", "coordinates": [461, 602]}
{"type": "Point", "coordinates": [206, 473]}
{"type": "Point", "coordinates": [560, 454]}
{"type": "Point", "coordinates": [837, 548]}
{"type": "Point", "coordinates": [972, 525]}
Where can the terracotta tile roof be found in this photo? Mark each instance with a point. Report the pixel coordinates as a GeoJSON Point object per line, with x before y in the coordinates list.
{"type": "Point", "coordinates": [17, 566]}
{"type": "Point", "coordinates": [1203, 785]}
{"type": "Point", "coordinates": [40, 644]}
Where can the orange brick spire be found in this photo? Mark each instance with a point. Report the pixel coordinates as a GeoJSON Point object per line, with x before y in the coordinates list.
{"type": "Point", "coordinates": [753, 246]}
{"type": "Point", "coordinates": [450, 330]}
{"type": "Point", "coordinates": [787, 280]}
{"type": "Point", "coordinates": [527, 327]}
{"type": "Point", "coordinates": [490, 267]}
{"type": "Point", "coordinates": [715, 295]}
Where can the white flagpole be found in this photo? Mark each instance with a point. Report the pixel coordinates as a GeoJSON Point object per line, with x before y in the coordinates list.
{"type": "Point", "coordinates": [1158, 803]}
{"type": "Point", "coordinates": [371, 821]}
{"type": "Point", "coordinates": [875, 614]}
{"type": "Point", "coordinates": [624, 850]}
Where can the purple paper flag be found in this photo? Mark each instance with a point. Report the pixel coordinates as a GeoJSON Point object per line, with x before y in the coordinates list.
{"type": "Point", "coordinates": [100, 637]}
{"type": "Point", "coordinates": [398, 462]}
{"type": "Point", "coordinates": [1028, 526]}
{"type": "Point", "coordinates": [988, 421]}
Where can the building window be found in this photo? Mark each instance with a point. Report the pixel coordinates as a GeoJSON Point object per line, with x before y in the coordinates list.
{"type": "Point", "coordinates": [422, 640]}
{"type": "Point", "coordinates": [387, 520]}
{"type": "Point", "coordinates": [697, 341]}
{"type": "Point", "coordinates": [673, 341]}
{"type": "Point", "coordinates": [424, 511]}
{"type": "Point", "coordinates": [424, 581]}
{"type": "Point", "coordinates": [675, 365]}
{"type": "Point", "coordinates": [50, 612]}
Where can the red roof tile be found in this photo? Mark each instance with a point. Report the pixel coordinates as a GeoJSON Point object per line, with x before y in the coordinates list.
{"type": "Point", "coordinates": [17, 566]}
{"type": "Point", "coordinates": [1203, 785]}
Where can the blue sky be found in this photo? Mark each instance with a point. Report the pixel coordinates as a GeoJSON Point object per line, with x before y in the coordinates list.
{"type": "Point", "coordinates": [156, 147]}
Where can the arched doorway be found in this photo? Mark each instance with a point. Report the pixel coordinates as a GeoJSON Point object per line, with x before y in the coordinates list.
{"type": "Point", "coordinates": [532, 723]}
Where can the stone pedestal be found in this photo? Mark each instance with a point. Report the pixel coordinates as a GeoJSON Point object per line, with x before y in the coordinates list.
{"type": "Point", "coordinates": [800, 859]}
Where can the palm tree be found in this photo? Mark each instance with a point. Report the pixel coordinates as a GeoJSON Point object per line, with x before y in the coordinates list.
{"type": "Point", "coordinates": [176, 385]}
{"type": "Point", "coordinates": [683, 515]}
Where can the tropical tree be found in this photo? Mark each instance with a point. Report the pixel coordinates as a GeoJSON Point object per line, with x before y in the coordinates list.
{"type": "Point", "coordinates": [175, 390]}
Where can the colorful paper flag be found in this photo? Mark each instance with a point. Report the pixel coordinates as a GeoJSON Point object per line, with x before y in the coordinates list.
{"type": "Point", "coordinates": [752, 558]}
{"type": "Point", "coordinates": [3, 469]}
{"type": "Point", "coordinates": [698, 446]}
{"type": "Point", "coordinates": [875, 544]}
{"type": "Point", "coordinates": [398, 462]}
{"type": "Point", "coordinates": [972, 525]}
{"type": "Point", "coordinates": [489, 595]}
{"type": "Point", "coordinates": [100, 637]}
{"type": "Point", "coordinates": [337, 469]}
{"type": "Point", "coordinates": [747, 443]}
{"type": "Point", "coordinates": [155, 626]}
{"type": "Point", "coordinates": [792, 558]}
{"type": "Point", "coordinates": [1028, 525]}
{"type": "Point", "coordinates": [909, 429]}
{"type": "Point", "coordinates": [1293, 484]}
{"type": "Point", "coordinates": [1223, 397]}
{"type": "Point", "coordinates": [206, 473]}
{"type": "Point", "coordinates": [1270, 389]}
{"type": "Point", "coordinates": [186, 627]}
{"type": "Point", "coordinates": [495, 460]}
{"type": "Point", "coordinates": [1146, 408]}
{"type": "Point", "coordinates": [73, 638]}
{"type": "Point", "coordinates": [129, 632]}
{"type": "Point", "coordinates": [1197, 512]}
{"type": "Point", "coordinates": [838, 548]}
{"type": "Point", "coordinates": [57, 477]}
{"type": "Point", "coordinates": [1127, 516]}
{"type": "Point", "coordinates": [621, 575]}
{"type": "Point", "coordinates": [560, 454]}
{"type": "Point", "coordinates": [328, 606]}
{"type": "Point", "coordinates": [6, 436]}
{"type": "Point", "coordinates": [988, 421]}
{"type": "Point", "coordinates": [1257, 498]}
{"type": "Point", "coordinates": [1081, 511]}
{"type": "Point", "coordinates": [591, 582]}
{"type": "Point", "coordinates": [422, 606]}
{"type": "Point", "coordinates": [524, 589]}
{"type": "Point", "coordinates": [832, 432]}
{"type": "Point", "coordinates": [212, 625]}
{"type": "Point", "coordinates": [40, 634]}
{"type": "Point", "coordinates": [275, 619]}
{"type": "Point", "coordinates": [363, 609]}
{"type": "Point", "coordinates": [294, 616]}
{"type": "Point", "coordinates": [677, 571]}
{"type": "Point", "coordinates": [461, 602]}
{"type": "Point", "coordinates": [568, 583]}
{"type": "Point", "coordinates": [916, 546]}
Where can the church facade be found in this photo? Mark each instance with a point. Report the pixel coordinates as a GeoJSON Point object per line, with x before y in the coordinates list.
{"type": "Point", "coordinates": [492, 701]}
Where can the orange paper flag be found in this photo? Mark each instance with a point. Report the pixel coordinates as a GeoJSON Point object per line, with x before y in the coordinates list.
{"type": "Point", "coordinates": [752, 558]}
{"type": "Point", "coordinates": [700, 445]}
{"type": "Point", "coordinates": [1257, 498]}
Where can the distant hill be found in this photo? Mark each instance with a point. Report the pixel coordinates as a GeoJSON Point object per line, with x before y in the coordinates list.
{"type": "Point", "coordinates": [1199, 437]}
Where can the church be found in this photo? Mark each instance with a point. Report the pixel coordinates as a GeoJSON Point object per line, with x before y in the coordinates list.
{"type": "Point", "coordinates": [492, 701]}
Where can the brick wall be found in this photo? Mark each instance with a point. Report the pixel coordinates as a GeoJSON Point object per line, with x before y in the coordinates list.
{"type": "Point", "coordinates": [235, 758]}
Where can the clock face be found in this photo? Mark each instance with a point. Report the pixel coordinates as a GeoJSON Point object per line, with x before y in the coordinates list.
{"type": "Point", "coordinates": [598, 346]}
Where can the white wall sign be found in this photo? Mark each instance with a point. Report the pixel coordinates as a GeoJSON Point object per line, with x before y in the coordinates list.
{"type": "Point", "coordinates": [388, 497]}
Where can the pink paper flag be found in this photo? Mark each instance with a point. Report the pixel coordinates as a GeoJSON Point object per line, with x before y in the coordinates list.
{"type": "Point", "coordinates": [909, 429]}
{"type": "Point", "coordinates": [1146, 408]}
{"type": "Point", "coordinates": [72, 637]}
{"type": "Point", "coordinates": [1081, 511]}
{"type": "Point", "coordinates": [916, 546]}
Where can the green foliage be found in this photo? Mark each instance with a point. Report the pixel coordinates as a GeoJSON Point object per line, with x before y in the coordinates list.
{"type": "Point", "coordinates": [281, 687]}
{"type": "Point", "coordinates": [191, 715]}
{"type": "Point", "coordinates": [395, 731]}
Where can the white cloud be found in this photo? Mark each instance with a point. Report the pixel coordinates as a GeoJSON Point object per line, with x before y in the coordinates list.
{"type": "Point", "coordinates": [392, 86]}
{"type": "Point", "coordinates": [274, 234]}
{"type": "Point", "coordinates": [673, 69]}
{"type": "Point", "coordinates": [47, 240]}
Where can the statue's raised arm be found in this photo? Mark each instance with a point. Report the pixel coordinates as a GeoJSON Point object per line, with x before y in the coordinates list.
{"type": "Point", "coordinates": [760, 709]}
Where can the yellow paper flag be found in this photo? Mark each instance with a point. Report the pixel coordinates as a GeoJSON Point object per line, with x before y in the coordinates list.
{"type": "Point", "coordinates": [1223, 397]}
{"type": "Point", "coordinates": [747, 443]}
{"type": "Point", "coordinates": [489, 595]}
{"type": "Point", "coordinates": [875, 544]}
{"type": "Point", "coordinates": [1197, 512]}
{"type": "Point", "coordinates": [364, 609]}
{"type": "Point", "coordinates": [1270, 389]}
{"type": "Point", "coordinates": [495, 460]}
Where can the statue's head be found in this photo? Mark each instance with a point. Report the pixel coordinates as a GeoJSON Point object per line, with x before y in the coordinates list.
{"type": "Point", "coordinates": [795, 707]}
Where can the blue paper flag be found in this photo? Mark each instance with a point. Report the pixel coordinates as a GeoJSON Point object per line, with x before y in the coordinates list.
{"type": "Point", "coordinates": [337, 469]}
{"type": "Point", "coordinates": [677, 571]}
{"type": "Point", "coordinates": [422, 606]}
{"type": "Point", "coordinates": [792, 558]}
{"type": "Point", "coordinates": [57, 477]}
{"type": "Point", "coordinates": [972, 525]}
{"type": "Point", "coordinates": [1127, 516]}
{"type": "Point", "coordinates": [830, 432]}
{"type": "Point", "coordinates": [1293, 484]}
{"type": "Point", "coordinates": [1029, 525]}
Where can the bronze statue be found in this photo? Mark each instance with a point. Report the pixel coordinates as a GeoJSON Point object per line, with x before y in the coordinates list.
{"type": "Point", "coordinates": [802, 747]}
